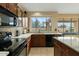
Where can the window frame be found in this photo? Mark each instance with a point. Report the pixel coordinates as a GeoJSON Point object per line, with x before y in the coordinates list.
{"type": "Point", "coordinates": [72, 21]}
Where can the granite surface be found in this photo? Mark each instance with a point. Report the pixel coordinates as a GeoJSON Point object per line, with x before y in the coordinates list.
{"type": "Point", "coordinates": [72, 42]}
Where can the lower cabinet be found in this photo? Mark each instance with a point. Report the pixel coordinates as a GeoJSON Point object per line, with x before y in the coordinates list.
{"type": "Point", "coordinates": [28, 46]}
{"type": "Point", "coordinates": [57, 50]}
{"type": "Point", "coordinates": [42, 40]}
{"type": "Point", "coordinates": [61, 49]}
{"type": "Point", "coordinates": [3, 4]}
{"type": "Point", "coordinates": [23, 53]}
{"type": "Point", "coordinates": [38, 40]}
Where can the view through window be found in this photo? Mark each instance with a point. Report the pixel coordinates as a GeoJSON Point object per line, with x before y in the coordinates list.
{"type": "Point", "coordinates": [67, 26]}
{"type": "Point", "coordinates": [41, 24]}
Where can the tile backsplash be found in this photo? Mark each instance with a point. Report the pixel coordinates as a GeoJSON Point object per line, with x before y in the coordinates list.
{"type": "Point", "coordinates": [12, 29]}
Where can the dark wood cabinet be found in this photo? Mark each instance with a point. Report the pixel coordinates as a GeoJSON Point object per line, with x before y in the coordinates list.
{"type": "Point", "coordinates": [12, 7]}
{"type": "Point", "coordinates": [38, 40]}
{"type": "Point", "coordinates": [57, 50]}
{"type": "Point", "coordinates": [73, 53]}
{"type": "Point", "coordinates": [61, 49]}
{"type": "Point", "coordinates": [3, 5]}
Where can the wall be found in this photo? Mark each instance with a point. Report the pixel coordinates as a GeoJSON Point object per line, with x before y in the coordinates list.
{"type": "Point", "coordinates": [12, 29]}
{"type": "Point", "coordinates": [55, 17]}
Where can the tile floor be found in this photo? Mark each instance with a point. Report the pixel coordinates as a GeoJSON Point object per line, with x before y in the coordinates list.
{"type": "Point", "coordinates": [42, 51]}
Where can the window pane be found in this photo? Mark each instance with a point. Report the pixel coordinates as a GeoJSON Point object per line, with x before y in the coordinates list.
{"type": "Point", "coordinates": [41, 24]}
{"type": "Point", "coordinates": [67, 26]}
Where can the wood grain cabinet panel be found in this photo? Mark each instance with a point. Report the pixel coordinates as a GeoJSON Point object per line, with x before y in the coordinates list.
{"type": "Point", "coordinates": [12, 7]}
{"type": "Point", "coordinates": [73, 53]}
{"type": "Point", "coordinates": [34, 41]}
{"type": "Point", "coordinates": [3, 5]}
{"type": "Point", "coordinates": [38, 41]}
{"type": "Point", "coordinates": [61, 49]}
{"type": "Point", "coordinates": [57, 50]}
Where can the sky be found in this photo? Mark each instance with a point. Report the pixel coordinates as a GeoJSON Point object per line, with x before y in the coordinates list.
{"type": "Point", "coordinates": [41, 19]}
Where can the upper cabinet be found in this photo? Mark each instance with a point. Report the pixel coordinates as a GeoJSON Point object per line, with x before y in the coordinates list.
{"type": "Point", "coordinates": [13, 8]}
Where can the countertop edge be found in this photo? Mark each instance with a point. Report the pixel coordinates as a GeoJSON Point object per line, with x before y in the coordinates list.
{"type": "Point", "coordinates": [66, 44]}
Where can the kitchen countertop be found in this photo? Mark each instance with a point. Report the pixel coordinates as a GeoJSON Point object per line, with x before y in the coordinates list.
{"type": "Point", "coordinates": [23, 36]}
{"type": "Point", "coordinates": [72, 42]}
{"type": "Point", "coordinates": [4, 53]}
{"type": "Point", "coordinates": [29, 34]}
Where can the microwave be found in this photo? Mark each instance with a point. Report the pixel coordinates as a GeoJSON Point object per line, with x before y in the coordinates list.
{"type": "Point", "coordinates": [8, 21]}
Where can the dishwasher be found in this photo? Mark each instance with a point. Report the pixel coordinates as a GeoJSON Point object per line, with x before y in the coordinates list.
{"type": "Point", "coordinates": [18, 49]}
{"type": "Point", "coordinates": [23, 52]}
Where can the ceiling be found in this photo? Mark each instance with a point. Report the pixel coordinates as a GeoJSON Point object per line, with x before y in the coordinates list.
{"type": "Point", "coordinates": [51, 7]}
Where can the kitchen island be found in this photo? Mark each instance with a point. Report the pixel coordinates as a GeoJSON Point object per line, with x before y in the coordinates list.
{"type": "Point", "coordinates": [66, 46]}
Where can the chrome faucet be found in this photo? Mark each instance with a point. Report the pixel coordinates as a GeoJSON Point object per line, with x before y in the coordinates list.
{"type": "Point", "coordinates": [39, 31]}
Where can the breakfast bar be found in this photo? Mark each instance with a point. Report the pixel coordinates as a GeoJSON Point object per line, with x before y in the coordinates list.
{"type": "Point", "coordinates": [66, 46]}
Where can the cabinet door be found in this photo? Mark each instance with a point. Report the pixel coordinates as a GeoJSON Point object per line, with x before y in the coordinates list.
{"type": "Point", "coordinates": [3, 5]}
{"type": "Point", "coordinates": [72, 53]}
{"type": "Point", "coordinates": [64, 50]}
{"type": "Point", "coordinates": [61, 49]}
{"type": "Point", "coordinates": [38, 41]}
{"type": "Point", "coordinates": [23, 53]}
{"type": "Point", "coordinates": [42, 40]}
{"type": "Point", "coordinates": [35, 41]}
{"type": "Point", "coordinates": [57, 50]}
{"type": "Point", "coordinates": [12, 7]}
{"type": "Point", "coordinates": [27, 48]}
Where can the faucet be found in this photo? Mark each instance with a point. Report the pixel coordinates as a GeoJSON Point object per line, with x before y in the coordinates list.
{"type": "Point", "coordinates": [39, 30]}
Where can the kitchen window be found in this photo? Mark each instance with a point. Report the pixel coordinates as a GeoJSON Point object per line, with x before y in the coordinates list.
{"type": "Point", "coordinates": [41, 24]}
{"type": "Point", "coordinates": [67, 26]}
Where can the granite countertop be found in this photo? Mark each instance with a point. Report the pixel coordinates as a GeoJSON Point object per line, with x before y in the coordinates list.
{"type": "Point", "coordinates": [4, 53]}
{"type": "Point", "coordinates": [29, 34]}
{"type": "Point", "coordinates": [23, 36]}
{"type": "Point", "coordinates": [72, 42]}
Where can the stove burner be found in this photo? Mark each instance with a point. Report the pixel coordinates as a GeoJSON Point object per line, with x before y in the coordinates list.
{"type": "Point", "coordinates": [5, 40]}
